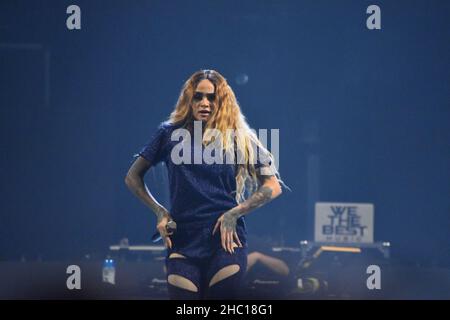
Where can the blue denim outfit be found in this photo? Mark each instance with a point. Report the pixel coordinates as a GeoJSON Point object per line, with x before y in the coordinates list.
{"type": "Point", "coordinates": [199, 195]}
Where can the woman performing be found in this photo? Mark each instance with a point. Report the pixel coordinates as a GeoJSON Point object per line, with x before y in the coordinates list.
{"type": "Point", "coordinates": [207, 253]}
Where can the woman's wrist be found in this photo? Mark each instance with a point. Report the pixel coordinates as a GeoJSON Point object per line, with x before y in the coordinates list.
{"type": "Point", "coordinates": [235, 212]}
{"type": "Point", "coordinates": [162, 213]}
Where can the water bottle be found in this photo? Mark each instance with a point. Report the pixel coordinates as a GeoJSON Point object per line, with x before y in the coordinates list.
{"type": "Point", "coordinates": [109, 271]}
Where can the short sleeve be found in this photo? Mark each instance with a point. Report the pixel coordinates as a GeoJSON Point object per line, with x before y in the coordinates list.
{"type": "Point", "coordinates": [153, 151]}
{"type": "Point", "coordinates": [264, 163]}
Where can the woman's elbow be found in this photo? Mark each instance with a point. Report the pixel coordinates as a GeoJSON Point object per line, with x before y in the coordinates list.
{"type": "Point", "coordinates": [129, 179]}
{"type": "Point", "coordinates": [276, 189]}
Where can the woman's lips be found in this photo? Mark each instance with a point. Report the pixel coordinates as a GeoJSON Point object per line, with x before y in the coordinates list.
{"type": "Point", "coordinates": [204, 112]}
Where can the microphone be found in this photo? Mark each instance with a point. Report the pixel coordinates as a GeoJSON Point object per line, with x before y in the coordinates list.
{"type": "Point", "coordinates": [171, 227]}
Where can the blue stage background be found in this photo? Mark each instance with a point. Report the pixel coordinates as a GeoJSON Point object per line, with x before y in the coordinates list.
{"type": "Point", "coordinates": [363, 114]}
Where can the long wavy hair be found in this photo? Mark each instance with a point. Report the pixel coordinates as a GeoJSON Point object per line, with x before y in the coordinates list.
{"type": "Point", "coordinates": [226, 115]}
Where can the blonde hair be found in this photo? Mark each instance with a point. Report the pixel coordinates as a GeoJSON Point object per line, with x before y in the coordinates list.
{"type": "Point", "coordinates": [226, 115]}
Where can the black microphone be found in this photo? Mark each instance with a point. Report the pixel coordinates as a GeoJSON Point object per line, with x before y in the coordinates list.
{"type": "Point", "coordinates": [171, 227]}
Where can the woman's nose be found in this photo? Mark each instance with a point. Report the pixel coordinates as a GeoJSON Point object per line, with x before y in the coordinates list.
{"type": "Point", "coordinates": [205, 101]}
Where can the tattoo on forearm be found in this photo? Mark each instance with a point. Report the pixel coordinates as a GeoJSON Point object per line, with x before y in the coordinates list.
{"type": "Point", "coordinates": [140, 190]}
{"type": "Point", "coordinates": [260, 197]}
{"type": "Point", "coordinates": [157, 208]}
{"type": "Point", "coordinates": [256, 200]}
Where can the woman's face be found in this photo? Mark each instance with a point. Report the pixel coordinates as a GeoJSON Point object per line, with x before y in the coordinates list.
{"type": "Point", "coordinates": [203, 103]}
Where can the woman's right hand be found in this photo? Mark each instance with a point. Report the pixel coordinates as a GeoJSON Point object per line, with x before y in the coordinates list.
{"type": "Point", "coordinates": [162, 228]}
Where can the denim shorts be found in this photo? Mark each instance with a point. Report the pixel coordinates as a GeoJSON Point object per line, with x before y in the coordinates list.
{"type": "Point", "coordinates": [197, 241]}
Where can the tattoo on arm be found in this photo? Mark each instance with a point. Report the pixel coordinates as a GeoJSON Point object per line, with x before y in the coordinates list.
{"type": "Point", "coordinates": [140, 190]}
{"type": "Point", "coordinates": [259, 198]}
{"type": "Point", "coordinates": [256, 200]}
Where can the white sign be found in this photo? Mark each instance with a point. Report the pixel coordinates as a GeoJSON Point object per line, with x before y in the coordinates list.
{"type": "Point", "coordinates": [343, 222]}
